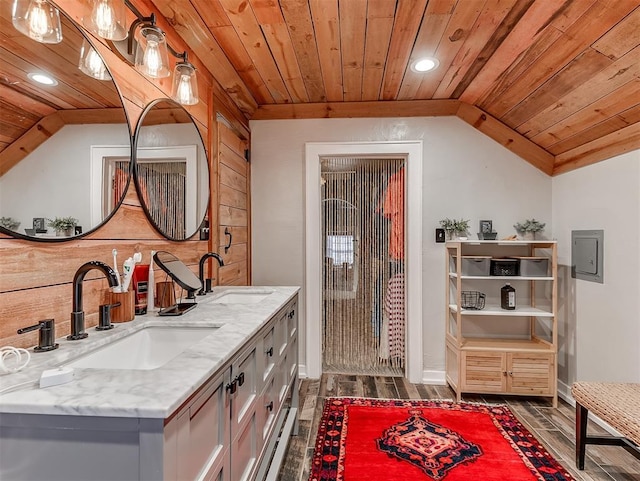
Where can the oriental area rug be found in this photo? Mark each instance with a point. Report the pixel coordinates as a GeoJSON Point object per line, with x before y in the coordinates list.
{"type": "Point", "coordinates": [399, 440]}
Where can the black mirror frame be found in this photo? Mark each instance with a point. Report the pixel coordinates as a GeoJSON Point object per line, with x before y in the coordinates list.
{"type": "Point", "coordinates": [134, 172]}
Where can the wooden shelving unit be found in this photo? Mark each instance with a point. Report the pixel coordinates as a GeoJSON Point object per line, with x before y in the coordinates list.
{"type": "Point", "coordinates": [499, 351]}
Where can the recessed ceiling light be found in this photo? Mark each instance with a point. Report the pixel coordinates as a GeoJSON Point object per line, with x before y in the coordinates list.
{"type": "Point", "coordinates": [42, 79]}
{"type": "Point", "coordinates": [425, 64]}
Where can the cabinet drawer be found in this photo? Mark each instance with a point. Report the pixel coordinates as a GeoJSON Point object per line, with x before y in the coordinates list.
{"type": "Point", "coordinates": [530, 373]}
{"type": "Point", "coordinates": [269, 407]}
{"type": "Point", "coordinates": [269, 353]}
{"type": "Point", "coordinates": [483, 372]}
{"type": "Point", "coordinates": [292, 319]}
{"type": "Point", "coordinates": [243, 372]}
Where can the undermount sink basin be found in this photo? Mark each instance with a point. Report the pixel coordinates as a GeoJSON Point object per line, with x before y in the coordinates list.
{"type": "Point", "coordinates": [146, 349]}
{"type": "Point", "coordinates": [242, 297]}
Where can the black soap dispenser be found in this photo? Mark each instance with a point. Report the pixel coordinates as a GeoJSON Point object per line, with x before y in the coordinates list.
{"type": "Point", "coordinates": [508, 297]}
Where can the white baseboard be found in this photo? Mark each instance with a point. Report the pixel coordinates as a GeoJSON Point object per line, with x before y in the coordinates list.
{"type": "Point", "coordinates": [434, 377]}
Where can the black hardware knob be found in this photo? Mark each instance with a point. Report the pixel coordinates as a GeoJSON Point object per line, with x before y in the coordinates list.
{"type": "Point", "coordinates": [232, 387]}
{"type": "Point", "coordinates": [269, 406]}
{"type": "Point", "coordinates": [240, 379]}
{"type": "Point", "coordinates": [269, 351]}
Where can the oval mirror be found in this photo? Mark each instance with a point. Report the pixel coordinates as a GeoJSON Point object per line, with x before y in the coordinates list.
{"type": "Point", "coordinates": [171, 171]}
{"type": "Point", "coordinates": [65, 148]}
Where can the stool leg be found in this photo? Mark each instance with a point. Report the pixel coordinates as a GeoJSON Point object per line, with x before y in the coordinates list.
{"type": "Point", "coordinates": [582, 414]}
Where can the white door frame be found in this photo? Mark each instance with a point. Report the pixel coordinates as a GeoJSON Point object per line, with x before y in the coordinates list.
{"type": "Point", "coordinates": [412, 152]}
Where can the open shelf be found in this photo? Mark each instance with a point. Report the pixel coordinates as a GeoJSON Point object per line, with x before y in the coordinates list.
{"type": "Point", "coordinates": [506, 345]}
{"type": "Point", "coordinates": [490, 310]}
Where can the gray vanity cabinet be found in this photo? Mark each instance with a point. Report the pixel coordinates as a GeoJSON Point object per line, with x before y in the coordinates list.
{"type": "Point", "coordinates": [234, 427]}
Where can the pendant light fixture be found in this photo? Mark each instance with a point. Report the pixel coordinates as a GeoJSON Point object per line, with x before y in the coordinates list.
{"type": "Point", "coordinates": [145, 47]}
{"type": "Point", "coordinates": [185, 83]}
{"type": "Point", "coordinates": [107, 19]}
{"type": "Point", "coordinates": [151, 56]}
{"type": "Point", "coordinates": [37, 19]}
{"type": "Point", "coordinates": [91, 63]}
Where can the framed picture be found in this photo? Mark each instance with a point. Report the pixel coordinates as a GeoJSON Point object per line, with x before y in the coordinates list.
{"type": "Point", "coordinates": [38, 224]}
{"type": "Point", "coordinates": [486, 226]}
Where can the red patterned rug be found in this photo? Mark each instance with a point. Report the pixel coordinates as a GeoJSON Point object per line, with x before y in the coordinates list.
{"type": "Point", "coordinates": [398, 440]}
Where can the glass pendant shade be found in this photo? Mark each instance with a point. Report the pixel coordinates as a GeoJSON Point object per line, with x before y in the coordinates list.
{"type": "Point", "coordinates": [37, 19]}
{"type": "Point", "coordinates": [185, 84]}
{"type": "Point", "coordinates": [91, 63]}
{"type": "Point", "coordinates": [107, 19]}
{"type": "Point", "coordinates": [152, 57]}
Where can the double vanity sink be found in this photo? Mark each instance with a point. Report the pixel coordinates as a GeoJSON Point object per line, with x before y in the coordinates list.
{"type": "Point", "coordinates": [204, 395]}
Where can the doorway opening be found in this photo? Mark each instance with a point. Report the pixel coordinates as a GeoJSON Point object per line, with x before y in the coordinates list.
{"type": "Point", "coordinates": [363, 300]}
{"type": "Point", "coordinates": [311, 328]}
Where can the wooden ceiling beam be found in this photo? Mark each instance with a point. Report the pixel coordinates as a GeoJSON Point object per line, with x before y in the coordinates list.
{"type": "Point", "coordinates": [29, 141]}
{"type": "Point", "coordinates": [616, 143]}
{"type": "Point", "coordinates": [400, 108]}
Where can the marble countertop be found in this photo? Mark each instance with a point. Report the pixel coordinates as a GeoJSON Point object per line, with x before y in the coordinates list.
{"type": "Point", "coordinates": [155, 393]}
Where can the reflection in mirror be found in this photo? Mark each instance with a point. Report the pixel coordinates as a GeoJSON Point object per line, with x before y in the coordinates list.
{"type": "Point", "coordinates": [65, 148]}
{"type": "Point", "coordinates": [171, 169]}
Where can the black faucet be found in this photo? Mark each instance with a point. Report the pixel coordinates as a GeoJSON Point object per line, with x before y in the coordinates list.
{"type": "Point", "coordinates": [77, 315]}
{"type": "Point", "coordinates": [206, 283]}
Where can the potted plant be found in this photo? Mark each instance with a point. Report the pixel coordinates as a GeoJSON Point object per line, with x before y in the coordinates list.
{"type": "Point", "coordinates": [455, 227]}
{"type": "Point", "coordinates": [449, 226]}
{"type": "Point", "coordinates": [63, 225]}
{"type": "Point", "coordinates": [461, 227]}
{"type": "Point", "coordinates": [9, 223]}
{"type": "Point", "coordinates": [529, 228]}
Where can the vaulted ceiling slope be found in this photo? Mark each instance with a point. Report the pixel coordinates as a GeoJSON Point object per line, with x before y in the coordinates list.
{"type": "Point", "coordinates": [556, 81]}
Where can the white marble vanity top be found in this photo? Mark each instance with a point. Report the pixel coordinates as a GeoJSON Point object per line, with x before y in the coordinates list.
{"type": "Point", "coordinates": [155, 393]}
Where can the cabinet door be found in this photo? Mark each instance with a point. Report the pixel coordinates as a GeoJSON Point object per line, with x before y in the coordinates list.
{"type": "Point", "coordinates": [203, 435]}
{"type": "Point", "coordinates": [269, 352]}
{"type": "Point", "coordinates": [530, 373]}
{"type": "Point", "coordinates": [483, 371]}
{"type": "Point", "coordinates": [245, 440]}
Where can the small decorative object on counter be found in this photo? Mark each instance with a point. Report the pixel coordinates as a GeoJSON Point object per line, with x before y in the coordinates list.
{"type": "Point", "coordinates": [508, 297]}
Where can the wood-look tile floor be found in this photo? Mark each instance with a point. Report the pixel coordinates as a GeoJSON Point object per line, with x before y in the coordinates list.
{"type": "Point", "coordinates": [553, 427]}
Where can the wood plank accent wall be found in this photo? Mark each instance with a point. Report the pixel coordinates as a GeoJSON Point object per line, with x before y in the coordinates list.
{"type": "Point", "coordinates": [36, 277]}
{"type": "Point", "coordinates": [234, 213]}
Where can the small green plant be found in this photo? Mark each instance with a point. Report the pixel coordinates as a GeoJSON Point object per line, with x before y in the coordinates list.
{"type": "Point", "coordinates": [62, 223]}
{"type": "Point", "coordinates": [9, 223]}
{"type": "Point", "coordinates": [529, 228]}
{"type": "Point", "coordinates": [461, 226]}
{"type": "Point", "coordinates": [529, 225]}
{"type": "Point", "coordinates": [452, 226]}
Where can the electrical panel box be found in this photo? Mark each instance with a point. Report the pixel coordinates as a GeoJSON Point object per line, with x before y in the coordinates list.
{"type": "Point", "coordinates": [587, 255]}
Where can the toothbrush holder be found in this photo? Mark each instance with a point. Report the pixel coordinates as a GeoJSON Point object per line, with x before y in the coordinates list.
{"type": "Point", "coordinates": [126, 311]}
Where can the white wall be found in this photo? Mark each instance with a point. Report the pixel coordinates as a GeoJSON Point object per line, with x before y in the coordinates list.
{"type": "Point", "coordinates": [54, 180]}
{"type": "Point", "coordinates": [600, 323]}
{"type": "Point", "coordinates": [465, 174]}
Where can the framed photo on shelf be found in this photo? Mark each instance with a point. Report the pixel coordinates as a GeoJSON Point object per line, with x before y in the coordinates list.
{"type": "Point", "coordinates": [486, 227]}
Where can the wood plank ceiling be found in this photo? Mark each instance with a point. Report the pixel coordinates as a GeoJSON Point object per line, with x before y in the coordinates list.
{"type": "Point", "coordinates": [558, 82]}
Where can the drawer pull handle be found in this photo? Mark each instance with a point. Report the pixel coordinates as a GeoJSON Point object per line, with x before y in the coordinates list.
{"type": "Point", "coordinates": [240, 379]}
{"type": "Point", "coordinates": [232, 387]}
{"type": "Point", "coordinates": [269, 406]}
{"type": "Point", "coordinates": [269, 351]}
